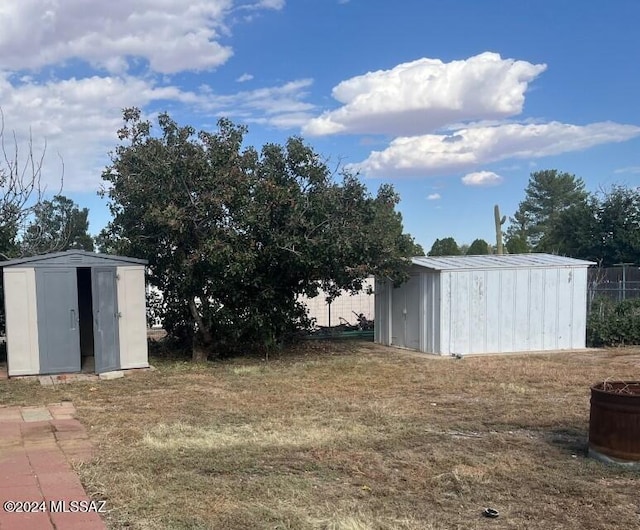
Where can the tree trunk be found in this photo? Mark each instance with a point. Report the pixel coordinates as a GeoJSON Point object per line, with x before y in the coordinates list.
{"type": "Point", "coordinates": [199, 349]}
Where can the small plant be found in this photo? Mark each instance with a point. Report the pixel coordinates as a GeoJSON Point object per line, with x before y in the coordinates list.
{"type": "Point", "coordinates": [620, 387]}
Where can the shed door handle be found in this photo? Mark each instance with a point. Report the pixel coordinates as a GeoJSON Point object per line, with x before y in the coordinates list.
{"type": "Point", "coordinates": [73, 318]}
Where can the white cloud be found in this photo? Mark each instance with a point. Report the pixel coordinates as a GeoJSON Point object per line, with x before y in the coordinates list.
{"type": "Point", "coordinates": [482, 178]}
{"type": "Point", "coordinates": [270, 4]}
{"type": "Point", "coordinates": [279, 106]}
{"type": "Point", "coordinates": [171, 35]}
{"type": "Point", "coordinates": [244, 78]}
{"type": "Point", "coordinates": [78, 118]}
{"type": "Point", "coordinates": [466, 149]}
{"type": "Point", "coordinates": [424, 95]}
{"type": "Point", "coordinates": [634, 170]}
{"type": "Point", "coordinates": [434, 197]}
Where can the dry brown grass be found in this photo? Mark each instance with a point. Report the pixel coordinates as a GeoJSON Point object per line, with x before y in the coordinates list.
{"type": "Point", "coordinates": [351, 436]}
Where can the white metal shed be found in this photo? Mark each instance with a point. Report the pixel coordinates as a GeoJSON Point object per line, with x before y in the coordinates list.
{"type": "Point", "coordinates": [74, 310]}
{"type": "Point", "coordinates": [485, 304]}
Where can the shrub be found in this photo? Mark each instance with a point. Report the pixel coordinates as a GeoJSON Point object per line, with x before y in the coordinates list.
{"type": "Point", "coordinates": [613, 323]}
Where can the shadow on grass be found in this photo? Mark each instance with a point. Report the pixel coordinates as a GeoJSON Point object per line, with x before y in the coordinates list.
{"type": "Point", "coordinates": [569, 440]}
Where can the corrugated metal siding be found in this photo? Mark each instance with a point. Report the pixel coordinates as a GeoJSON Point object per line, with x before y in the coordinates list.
{"type": "Point", "coordinates": [430, 329]}
{"type": "Point", "coordinates": [413, 338]}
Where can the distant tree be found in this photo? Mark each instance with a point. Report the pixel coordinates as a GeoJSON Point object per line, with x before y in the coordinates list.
{"type": "Point", "coordinates": [619, 225]}
{"type": "Point", "coordinates": [575, 231]}
{"type": "Point", "coordinates": [234, 237]}
{"type": "Point", "coordinates": [548, 193]}
{"type": "Point", "coordinates": [605, 228]}
{"type": "Point", "coordinates": [517, 245]}
{"type": "Point", "coordinates": [478, 247]}
{"type": "Point", "coordinates": [57, 225]}
{"type": "Point", "coordinates": [445, 247]}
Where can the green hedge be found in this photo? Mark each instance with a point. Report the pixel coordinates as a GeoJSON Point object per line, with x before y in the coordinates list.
{"type": "Point", "coordinates": [613, 323]}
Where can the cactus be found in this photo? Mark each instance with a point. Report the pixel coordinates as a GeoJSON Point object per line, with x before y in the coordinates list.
{"type": "Point", "coordinates": [499, 223]}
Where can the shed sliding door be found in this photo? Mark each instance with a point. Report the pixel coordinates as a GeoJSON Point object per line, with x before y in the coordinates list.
{"type": "Point", "coordinates": [58, 329]}
{"type": "Point", "coordinates": [105, 319]}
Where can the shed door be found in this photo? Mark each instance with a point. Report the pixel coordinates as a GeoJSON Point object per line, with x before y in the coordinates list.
{"type": "Point", "coordinates": [105, 323]}
{"type": "Point", "coordinates": [405, 311]}
{"type": "Point", "coordinates": [58, 329]}
{"type": "Point", "coordinates": [398, 316]}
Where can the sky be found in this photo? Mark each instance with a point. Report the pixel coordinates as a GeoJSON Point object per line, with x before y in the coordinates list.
{"type": "Point", "coordinates": [454, 103]}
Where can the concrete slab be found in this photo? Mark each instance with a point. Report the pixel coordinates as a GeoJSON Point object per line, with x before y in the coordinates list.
{"type": "Point", "coordinates": [30, 414]}
{"type": "Point", "coordinates": [10, 414]}
{"type": "Point", "coordinates": [116, 374]}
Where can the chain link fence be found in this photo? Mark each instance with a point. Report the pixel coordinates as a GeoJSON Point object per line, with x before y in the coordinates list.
{"type": "Point", "coordinates": [616, 283]}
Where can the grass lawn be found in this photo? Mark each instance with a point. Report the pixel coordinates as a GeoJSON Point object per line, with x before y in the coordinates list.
{"type": "Point", "coordinates": [352, 436]}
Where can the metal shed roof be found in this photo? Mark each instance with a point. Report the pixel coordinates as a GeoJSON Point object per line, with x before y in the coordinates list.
{"type": "Point", "coordinates": [495, 261]}
{"type": "Point", "coordinates": [72, 257]}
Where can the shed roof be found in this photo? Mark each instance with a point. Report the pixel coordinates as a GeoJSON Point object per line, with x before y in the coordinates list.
{"type": "Point", "coordinates": [73, 258]}
{"type": "Point", "coordinates": [495, 261]}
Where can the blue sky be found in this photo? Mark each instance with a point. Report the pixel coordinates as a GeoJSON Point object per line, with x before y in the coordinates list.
{"type": "Point", "coordinates": [455, 103]}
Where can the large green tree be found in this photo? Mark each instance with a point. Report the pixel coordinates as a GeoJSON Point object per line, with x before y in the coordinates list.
{"type": "Point", "coordinates": [478, 247]}
{"type": "Point", "coordinates": [605, 228]}
{"type": "Point", "coordinates": [58, 224]}
{"type": "Point", "coordinates": [233, 236]}
{"type": "Point", "coordinates": [548, 194]}
{"type": "Point", "coordinates": [445, 247]}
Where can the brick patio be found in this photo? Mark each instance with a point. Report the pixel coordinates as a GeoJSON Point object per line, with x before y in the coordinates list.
{"type": "Point", "coordinates": [38, 446]}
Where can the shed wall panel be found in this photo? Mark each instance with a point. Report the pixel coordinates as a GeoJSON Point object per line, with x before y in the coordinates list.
{"type": "Point", "coordinates": [550, 309]}
{"type": "Point", "coordinates": [23, 355]}
{"type": "Point", "coordinates": [461, 301]}
{"type": "Point", "coordinates": [132, 322]}
{"type": "Point", "coordinates": [506, 309]}
{"type": "Point", "coordinates": [431, 309]}
{"type": "Point", "coordinates": [522, 289]}
{"type": "Point", "coordinates": [565, 302]}
{"type": "Point", "coordinates": [478, 312]}
{"type": "Point", "coordinates": [493, 299]}
{"type": "Point", "coordinates": [398, 310]}
{"type": "Point", "coordinates": [414, 314]}
{"type": "Point", "coordinates": [536, 308]}
{"type": "Point", "coordinates": [445, 313]}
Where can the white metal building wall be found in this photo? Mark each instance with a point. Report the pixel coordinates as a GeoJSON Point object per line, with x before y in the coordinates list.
{"type": "Point", "coordinates": [505, 310]}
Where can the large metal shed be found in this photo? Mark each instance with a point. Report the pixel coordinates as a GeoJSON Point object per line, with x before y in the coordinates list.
{"type": "Point", "coordinates": [74, 311]}
{"type": "Point", "coordinates": [485, 304]}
